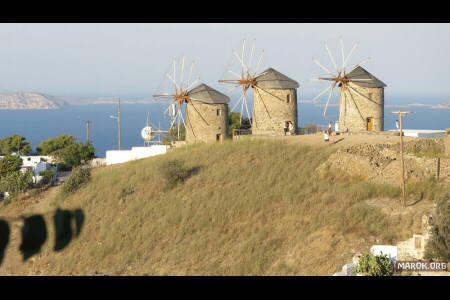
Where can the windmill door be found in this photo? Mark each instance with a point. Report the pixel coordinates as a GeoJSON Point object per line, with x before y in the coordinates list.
{"type": "Point", "coordinates": [219, 138]}
{"type": "Point", "coordinates": [369, 123]}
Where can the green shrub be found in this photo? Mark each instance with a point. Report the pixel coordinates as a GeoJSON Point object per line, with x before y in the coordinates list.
{"type": "Point", "coordinates": [16, 182]}
{"type": "Point", "coordinates": [438, 247]}
{"type": "Point", "coordinates": [78, 177]}
{"type": "Point", "coordinates": [48, 175]}
{"type": "Point", "coordinates": [173, 172]}
{"type": "Point", "coordinates": [375, 265]}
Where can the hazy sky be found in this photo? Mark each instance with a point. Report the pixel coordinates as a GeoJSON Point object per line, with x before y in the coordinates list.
{"type": "Point", "coordinates": [129, 60]}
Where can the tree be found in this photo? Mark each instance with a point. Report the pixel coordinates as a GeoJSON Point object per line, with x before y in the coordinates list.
{"type": "Point", "coordinates": [438, 247]}
{"type": "Point", "coordinates": [172, 135]}
{"type": "Point", "coordinates": [66, 150]}
{"type": "Point", "coordinates": [72, 155]}
{"type": "Point", "coordinates": [14, 143]}
{"type": "Point", "coordinates": [51, 145]}
{"type": "Point", "coordinates": [10, 163]}
{"type": "Point", "coordinates": [234, 122]}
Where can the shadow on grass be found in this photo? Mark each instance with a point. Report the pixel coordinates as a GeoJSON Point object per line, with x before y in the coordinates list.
{"type": "Point", "coordinates": [335, 142]}
{"type": "Point", "coordinates": [417, 201]}
{"type": "Point", "coordinates": [68, 224]}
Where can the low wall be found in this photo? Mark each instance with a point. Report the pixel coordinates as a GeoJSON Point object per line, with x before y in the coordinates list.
{"type": "Point", "coordinates": [121, 156]}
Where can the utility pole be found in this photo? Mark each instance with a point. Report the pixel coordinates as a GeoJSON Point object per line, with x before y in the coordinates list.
{"type": "Point", "coordinates": [118, 122]}
{"type": "Point", "coordinates": [400, 114]}
{"type": "Point", "coordinates": [87, 131]}
{"type": "Point", "coordinates": [119, 126]}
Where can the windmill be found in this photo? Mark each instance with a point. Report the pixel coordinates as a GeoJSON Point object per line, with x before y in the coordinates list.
{"type": "Point", "coordinates": [361, 98]}
{"type": "Point", "coordinates": [274, 94]}
{"type": "Point", "coordinates": [177, 91]}
{"type": "Point", "coordinates": [246, 78]}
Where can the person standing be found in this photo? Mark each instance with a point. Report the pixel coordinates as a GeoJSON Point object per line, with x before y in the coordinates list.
{"type": "Point", "coordinates": [325, 136]}
{"type": "Point", "coordinates": [330, 130]}
{"type": "Point", "coordinates": [291, 128]}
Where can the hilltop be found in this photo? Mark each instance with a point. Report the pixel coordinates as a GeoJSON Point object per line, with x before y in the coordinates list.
{"type": "Point", "coordinates": [250, 207]}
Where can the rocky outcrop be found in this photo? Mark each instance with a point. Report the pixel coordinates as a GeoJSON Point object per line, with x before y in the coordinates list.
{"type": "Point", "coordinates": [381, 163]}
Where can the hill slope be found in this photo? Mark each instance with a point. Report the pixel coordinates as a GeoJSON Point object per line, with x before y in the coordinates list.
{"type": "Point", "coordinates": [28, 100]}
{"type": "Point", "coordinates": [251, 208]}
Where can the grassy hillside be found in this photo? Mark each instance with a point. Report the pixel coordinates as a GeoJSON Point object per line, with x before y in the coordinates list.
{"type": "Point", "coordinates": [251, 208]}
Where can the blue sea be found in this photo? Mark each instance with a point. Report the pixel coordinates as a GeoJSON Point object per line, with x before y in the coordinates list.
{"type": "Point", "coordinates": [38, 125]}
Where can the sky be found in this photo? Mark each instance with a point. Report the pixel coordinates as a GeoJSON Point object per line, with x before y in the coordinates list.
{"type": "Point", "coordinates": [130, 60]}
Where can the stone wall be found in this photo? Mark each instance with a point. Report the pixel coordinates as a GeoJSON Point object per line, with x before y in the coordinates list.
{"type": "Point", "coordinates": [271, 121]}
{"type": "Point", "coordinates": [216, 117]}
{"type": "Point", "coordinates": [381, 163]}
{"type": "Point", "coordinates": [414, 248]}
{"type": "Point", "coordinates": [349, 116]}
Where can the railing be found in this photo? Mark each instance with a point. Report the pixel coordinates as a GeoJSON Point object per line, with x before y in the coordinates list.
{"type": "Point", "coordinates": [238, 132]}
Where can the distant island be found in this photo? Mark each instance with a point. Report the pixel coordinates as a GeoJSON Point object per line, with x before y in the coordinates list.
{"type": "Point", "coordinates": [30, 100]}
{"type": "Point", "coordinates": [442, 105]}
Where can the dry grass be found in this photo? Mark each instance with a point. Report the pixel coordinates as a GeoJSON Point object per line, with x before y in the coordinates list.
{"type": "Point", "coordinates": [253, 208]}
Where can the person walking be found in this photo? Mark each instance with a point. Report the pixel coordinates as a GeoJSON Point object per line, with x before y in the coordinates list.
{"type": "Point", "coordinates": [330, 130]}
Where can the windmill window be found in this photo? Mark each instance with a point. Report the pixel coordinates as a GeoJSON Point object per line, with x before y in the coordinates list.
{"type": "Point", "coordinates": [288, 98]}
{"type": "Point", "coordinates": [219, 112]}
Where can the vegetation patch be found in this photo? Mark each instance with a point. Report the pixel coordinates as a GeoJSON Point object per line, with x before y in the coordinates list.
{"type": "Point", "coordinates": [374, 265]}
{"type": "Point", "coordinates": [438, 246]}
{"type": "Point", "coordinates": [77, 179]}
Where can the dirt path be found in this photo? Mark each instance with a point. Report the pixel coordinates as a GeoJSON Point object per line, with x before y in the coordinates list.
{"type": "Point", "coordinates": [344, 140]}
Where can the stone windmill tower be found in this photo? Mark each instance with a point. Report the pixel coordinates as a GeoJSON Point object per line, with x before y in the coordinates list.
{"type": "Point", "coordinates": [274, 94]}
{"type": "Point", "coordinates": [274, 103]}
{"type": "Point", "coordinates": [206, 109]}
{"type": "Point", "coordinates": [207, 119]}
{"type": "Point", "coordinates": [361, 97]}
{"type": "Point", "coordinates": [367, 95]}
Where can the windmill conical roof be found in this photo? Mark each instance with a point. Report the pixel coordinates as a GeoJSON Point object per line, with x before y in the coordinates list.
{"type": "Point", "coordinates": [273, 79]}
{"type": "Point", "coordinates": [360, 73]}
{"type": "Point", "coordinates": [207, 94]}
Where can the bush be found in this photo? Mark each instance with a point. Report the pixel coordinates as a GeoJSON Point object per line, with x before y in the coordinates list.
{"type": "Point", "coordinates": [79, 177]}
{"type": "Point", "coordinates": [48, 175]}
{"type": "Point", "coordinates": [173, 172]}
{"type": "Point", "coordinates": [16, 182]}
{"type": "Point", "coordinates": [439, 243]}
{"type": "Point", "coordinates": [375, 265]}
{"type": "Point", "coordinates": [235, 122]}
